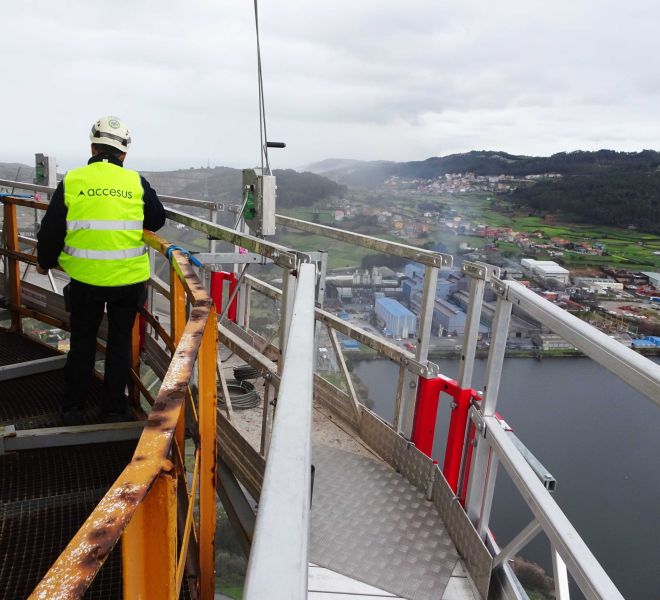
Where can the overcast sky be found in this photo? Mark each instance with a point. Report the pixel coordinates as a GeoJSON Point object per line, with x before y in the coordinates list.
{"type": "Point", "coordinates": [366, 79]}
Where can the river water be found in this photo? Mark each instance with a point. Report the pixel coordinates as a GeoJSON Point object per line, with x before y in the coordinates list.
{"type": "Point", "coordinates": [595, 434]}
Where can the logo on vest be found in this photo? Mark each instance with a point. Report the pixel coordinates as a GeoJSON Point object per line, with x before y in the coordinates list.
{"type": "Point", "coordinates": [107, 192]}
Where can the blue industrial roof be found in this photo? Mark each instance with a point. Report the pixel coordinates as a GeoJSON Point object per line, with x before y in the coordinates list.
{"type": "Point", "coordinates": [642, 344]}
{"type": "Point", "coordinates": [393, 307]}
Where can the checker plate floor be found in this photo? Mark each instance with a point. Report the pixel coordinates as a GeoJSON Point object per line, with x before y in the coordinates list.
{"type": "Point", "coordinates": [384, 532]}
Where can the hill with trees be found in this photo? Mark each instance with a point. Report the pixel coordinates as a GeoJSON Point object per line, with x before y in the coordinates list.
{"type": "Point", "coordinates": [603, 187]}
{"type": "Point", "coordinates": [223, 184]}
{"type": "Point", "coordinates": [616, 197]}
{"type": "Point", "coordinates": [219, 184]}
{"type": "Point", "coordinates": [483, 162]}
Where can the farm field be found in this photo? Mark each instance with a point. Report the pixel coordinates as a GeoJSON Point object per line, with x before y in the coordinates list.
{"type": "Point", "coordinates": [629, 249]}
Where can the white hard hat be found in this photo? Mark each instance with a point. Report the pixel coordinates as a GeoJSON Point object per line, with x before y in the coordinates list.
{"type": "Point", "coordinates": [111, 131]}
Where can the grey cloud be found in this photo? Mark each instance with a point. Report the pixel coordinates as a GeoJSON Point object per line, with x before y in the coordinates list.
{"type": "Point", "coordinates": [392, 80]}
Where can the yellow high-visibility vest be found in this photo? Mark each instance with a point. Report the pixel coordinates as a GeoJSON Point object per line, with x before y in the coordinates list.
{"type": "Point", "coordinates": [103, 244]}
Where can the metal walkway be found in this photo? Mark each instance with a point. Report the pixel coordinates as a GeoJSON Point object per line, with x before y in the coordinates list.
{"type": "Point", "coordinates": [384, 532]}
{"type": "Point", "coordinates": [373, 533]}
{"type": "Point", "coordinates": [47, 493]}
{"type": "Point", "coordinates": [33, 402]}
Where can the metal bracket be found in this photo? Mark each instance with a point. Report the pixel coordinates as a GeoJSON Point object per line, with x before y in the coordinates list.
{"type": "Point", "coordinates": [480, 270]}
{"type": "Point", "coordinates": [479, 422]}
{"type": "Point", "coordinates": [6, 431]}
{"type": "Point", "coordinates": [545, 477]}
{"type": "Point", "coordinates": [431, 370]}
{"type": "Point", "coordinates": [499, 287]}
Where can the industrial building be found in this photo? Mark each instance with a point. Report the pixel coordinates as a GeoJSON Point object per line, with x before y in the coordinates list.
{"type": "Point", "coordinates": [550, 341]}
{"type": "Point", "coordinates": [447, 317]}
{"type": "Point", "coordinates": [448, 281]}
{"type": "Point", "coordinates": [597, 285]}
{"type": "Point", "coordinates": [546, 269]}
{"type": "Point", "coordinates": [399, 321]}
{"type": "Point", "coordinates": [654, 278]}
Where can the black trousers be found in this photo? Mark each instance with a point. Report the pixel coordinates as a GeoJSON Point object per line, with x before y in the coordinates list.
{"type": "Point", "coordinates": [87, 304]}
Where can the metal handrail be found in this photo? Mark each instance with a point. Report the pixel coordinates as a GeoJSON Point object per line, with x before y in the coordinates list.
{"type": "Point", "coordinates": [171, 199]}
{"type": "Point", "coordinates": [281, 255]}
{"type": "Point", "coordinates": [637, 371]}
{"type": "Point", "coordinates": [494, 444]}
{"type": "Point", "coordinates": [420, 255]}
{"type": "Point", "coordinates": [279, 555]}
{"type": "Point", "coordinates": [589, 575]}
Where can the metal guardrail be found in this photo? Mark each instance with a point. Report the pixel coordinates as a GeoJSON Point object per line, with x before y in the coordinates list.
{"type": "Point", "coordinates": [590, 577]}
{"type": "Point", "coordinates": [494, 445]}
{"type": "Point", "coordinates": [33, 187]}
{"type": "Point", "coordinates": [420, 255]}
{"type": "Point", "coordinates": [636, 370]}
{"type": "Point", "coordinates": [278, 559]}
{"type": "Point", "coordinates": [280, 255]}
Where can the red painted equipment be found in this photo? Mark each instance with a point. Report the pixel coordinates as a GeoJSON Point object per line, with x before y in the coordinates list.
{"type": "Point", "coordinates": [456, 436]}
{"type": "Point", "coordinates": [218, 279]}
{"type": "Point", "coordinates": [426, 410]}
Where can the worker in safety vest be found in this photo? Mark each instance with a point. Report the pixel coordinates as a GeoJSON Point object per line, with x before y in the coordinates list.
{"type": "Point", "coordinates": [93, 229]}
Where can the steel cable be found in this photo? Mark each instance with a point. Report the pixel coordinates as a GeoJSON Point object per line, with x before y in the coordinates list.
{"type": "Point", "coordinates": [242, 393]}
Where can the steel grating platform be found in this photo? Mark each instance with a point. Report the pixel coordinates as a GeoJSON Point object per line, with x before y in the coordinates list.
{"type": "Point", "coordinates": [384, 533]}
{"type": "Point", "coordinates": [46, 494]}
{"type": "Point", "coordinates": [16, 348]}
{"type": "Point", "coordinates": [34, 402]}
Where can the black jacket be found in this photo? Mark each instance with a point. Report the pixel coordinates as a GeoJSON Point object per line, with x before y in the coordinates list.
{"type": "Point", "coordinates": [50, 239]}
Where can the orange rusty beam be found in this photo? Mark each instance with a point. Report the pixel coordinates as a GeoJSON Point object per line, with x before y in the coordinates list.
{"type": "Point", "coordinates": [155, 241]}
{"type": "Point", "coordinates": [177, 324]}
{"type": "Point", "coordinates": [149, 544]}
{"type": "Point", "coordinates": [181, 266]}
{"type": "Point", "coordinates": [35, 314]}
{"type": "Point", "coordinates": [143, 389]}
{"type": "Point", "coordinates": [14, 200]}
{"type": "Point", "coordinates": [75, 568]}
{"type": "Point", "coordinates": [188, 529]}
{"type": "Point", "coordinates": [208, 410]}
{"type": "Point", "coordinates": [18, 255]}
{"type": "Point", "coordinates": [133, 390]}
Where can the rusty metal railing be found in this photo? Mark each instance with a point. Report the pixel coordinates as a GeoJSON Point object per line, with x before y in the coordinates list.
{"type": "Point", "coordinates": [155, 494]}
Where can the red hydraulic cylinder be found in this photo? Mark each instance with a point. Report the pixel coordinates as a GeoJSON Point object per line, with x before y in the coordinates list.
{"type": "Point", "coordinates": [218, 279]}
{"type": "Point", "coordinates": [456, 437]}
{"type": "Point", "coordinates": [426, 411]}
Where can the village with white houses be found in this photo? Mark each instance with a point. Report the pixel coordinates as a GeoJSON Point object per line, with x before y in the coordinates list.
{"type": "Point", "coordinates": [461, 183]}
{"type": "Point", "coordinates": [621, 302]}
